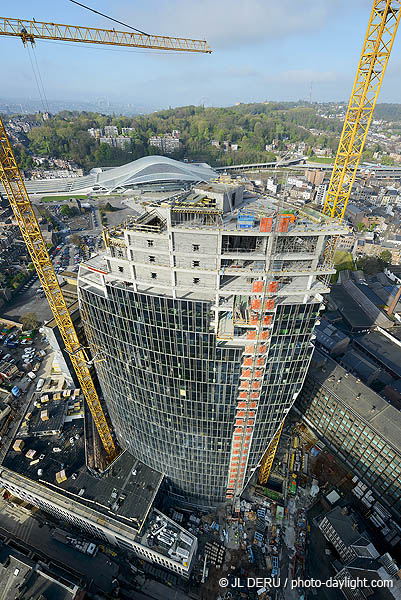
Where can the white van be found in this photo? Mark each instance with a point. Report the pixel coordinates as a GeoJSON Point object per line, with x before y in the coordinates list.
{"type": "Point", "coordinates": [31, 375]}
{"type": "Point", "coordinates": [39, 385]}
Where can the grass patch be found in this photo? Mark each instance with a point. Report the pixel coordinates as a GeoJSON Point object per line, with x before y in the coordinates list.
{"type": "Point", "coordinates": [320, 159]}
{"type": "Point", "coordinates": [342, 261]}
{"type": "Point", "coordinates": [61, 198]}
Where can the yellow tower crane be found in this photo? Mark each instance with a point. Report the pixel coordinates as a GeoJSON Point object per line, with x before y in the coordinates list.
{"type": "Point", "coordinates": [13, 183]}
{"type": "Point", "coordinates": [382, 27]}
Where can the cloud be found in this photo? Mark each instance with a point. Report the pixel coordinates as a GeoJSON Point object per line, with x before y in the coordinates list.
{"type": "Point", "coordinates": [230, 23]}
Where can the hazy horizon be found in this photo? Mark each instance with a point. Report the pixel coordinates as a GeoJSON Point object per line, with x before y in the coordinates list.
{"type": "Point", "coordinates": [260, 51]}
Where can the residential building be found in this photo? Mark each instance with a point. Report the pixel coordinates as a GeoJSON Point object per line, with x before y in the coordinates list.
{"type": "Point", "coordinates": [120, 141]}
{"type": "Point", "coordinates": [315, 176]}
{"type": "Point", "coordinates": [95, 133]}
{"type": "Point", "coordinates": [355, 214]}
{"type": "Point", "coordinates": [370, 249]}
{"type": "Point", "coordinates": [357, 424]}
{"type": "Point", "coordinates": [346, 242]}
{"type": "Point", "coordinates": [202, 309]}
{"type": "Point", "coordinates": [321, 193]}
{"type": "Point", "coordinates": [271, 185]}
{"type": "Point", "coordinates": [388, 196]}
{"type": "Point", "coordinates": [166, 143]}
{"type": "Point", "coordinates": [110, 131]}
{"type": "Point", "coordinates": [127, 130]}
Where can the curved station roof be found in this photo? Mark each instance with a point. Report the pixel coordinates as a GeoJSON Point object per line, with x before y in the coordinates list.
{"type": "Point", "coordinates": [147, 171]}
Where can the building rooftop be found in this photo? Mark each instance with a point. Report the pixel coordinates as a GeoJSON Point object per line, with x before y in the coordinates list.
{"type": "Point", "coordinates": [148, 170]}
{"type": "Point", "coordinates": [346, 526]}
{"type": "Point", "coordinates": [349, 308]}
{"type": "Point", "coordinates": [364, 402]}
{"type": "Point", "coordinates": [328, 335]}
{"type": "Point", "coordinates": [23, 579]}
{"type": "Point", "coordinates": [167, 537]}
{"type": "Point", "coordinates": [360, 365]}
{"type": "Point", "coordinates": [384, 349]}
{"type": "Point", "coordinates": [49, 449]}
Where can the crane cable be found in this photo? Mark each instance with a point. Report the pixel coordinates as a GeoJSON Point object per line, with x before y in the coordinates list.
{"type": "Point", "coordinates": [38, 79]}
{"type": "Point", "coordinates": [110, 18]}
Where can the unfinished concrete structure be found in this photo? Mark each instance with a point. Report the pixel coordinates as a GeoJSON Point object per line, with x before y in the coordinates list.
{"type": "Point", "coordinates": [201, 313]}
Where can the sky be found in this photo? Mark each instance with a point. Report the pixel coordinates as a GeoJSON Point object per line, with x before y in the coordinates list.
{"type": "Point", "coordinates": [262, 50]}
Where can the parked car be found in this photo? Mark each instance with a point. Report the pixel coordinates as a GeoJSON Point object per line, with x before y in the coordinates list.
{"type": "Point", "coordinates": [16, 391]}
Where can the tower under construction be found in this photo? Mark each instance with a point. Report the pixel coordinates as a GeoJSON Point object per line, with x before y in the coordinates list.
{"type": "Point", "coordinates": [200, 315]}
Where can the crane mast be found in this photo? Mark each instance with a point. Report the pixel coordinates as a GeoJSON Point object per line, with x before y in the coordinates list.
{"type": "Point", "coordinates": [13, 183]}
{"type": "Point", "coordinates": [380, 35]}
{"type": "Point", "coordinates": [10, 177]}
{"type": "Point", "coordinates": [382, 27]}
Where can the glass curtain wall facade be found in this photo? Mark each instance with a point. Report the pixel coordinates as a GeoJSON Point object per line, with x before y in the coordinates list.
{"type": "Point", "coordinates": [170, 390]}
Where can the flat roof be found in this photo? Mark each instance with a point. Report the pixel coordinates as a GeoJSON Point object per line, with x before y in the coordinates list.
{"type": "Point", "coordinates": [364, 402]}
{"type": "Point", "coordinates": [168, 538]}
{"type": "Point", "coordinates": [125, 492]}
{"type": "Point", "coordinates": [22, 579]}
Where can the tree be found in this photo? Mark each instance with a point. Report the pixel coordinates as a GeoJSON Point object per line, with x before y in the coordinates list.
{"type": "Point", "coordinates": [370, 265]}
{"type": "Point", "coordinates": [69, 211]}
{"type": "Point", "coordinates": [386, 256]}
{"type": "Point", "coordinates": [29, 321]}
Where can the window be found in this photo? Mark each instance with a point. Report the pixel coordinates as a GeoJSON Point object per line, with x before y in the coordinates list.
{"type": "Point", "coordinates": [196, 263]}
{"type": "Point", "coordinates": [196, 280]}
{"type": "Point", "coordinates": [154, 275]}
{"type": "Point", "coordinates": [195, 247]}
{"type": "Point", "coordinates": [121, 269]}
{"type": "Point", "coordinates": [152, 259]}
{"type": "Point", "coordinates": [150, 243]}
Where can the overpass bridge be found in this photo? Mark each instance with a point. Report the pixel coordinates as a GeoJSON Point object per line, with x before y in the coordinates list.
{"type": "Point", "coordinates": [298, 163]}
{"type": "Point", "coordinates": [261, 166]}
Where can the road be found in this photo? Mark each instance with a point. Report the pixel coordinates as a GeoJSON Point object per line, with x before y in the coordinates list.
{"type": "Point", "coordinates": [17, 524]}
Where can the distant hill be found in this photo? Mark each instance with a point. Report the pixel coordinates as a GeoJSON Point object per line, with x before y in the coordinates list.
{"type": "Point", "coordinates": [248, 128]}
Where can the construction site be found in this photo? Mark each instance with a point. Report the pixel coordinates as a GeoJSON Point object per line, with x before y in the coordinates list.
{"type": "Point", "coordinates": [199, 315]}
